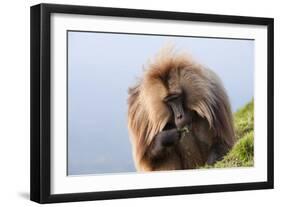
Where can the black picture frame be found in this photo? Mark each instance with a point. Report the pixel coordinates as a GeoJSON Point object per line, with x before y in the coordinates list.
{"type": "Point", "coordinates": [40, 184]}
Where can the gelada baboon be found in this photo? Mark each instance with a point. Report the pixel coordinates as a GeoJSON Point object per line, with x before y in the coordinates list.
{"type": "Point", "coordinates": [179, 116]}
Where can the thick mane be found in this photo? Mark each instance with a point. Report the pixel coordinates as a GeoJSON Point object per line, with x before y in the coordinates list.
{"type": "Point", "coordinates": [215, 107]}
{"type": "Point", "coordinates": [148, 115]}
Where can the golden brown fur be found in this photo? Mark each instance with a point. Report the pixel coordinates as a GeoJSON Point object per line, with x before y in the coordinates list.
{"type": "Point", "coordinates": [148, 114]}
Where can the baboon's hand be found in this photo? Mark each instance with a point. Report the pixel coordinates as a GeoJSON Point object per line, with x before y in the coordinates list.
{"type": "Point", "coordinates": [163, 140]}
{"type": "Point", "coordinates": [168, 137]}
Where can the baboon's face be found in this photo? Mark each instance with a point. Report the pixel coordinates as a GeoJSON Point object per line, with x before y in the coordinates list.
{"type": "Point", "coordinates": [176, 101]}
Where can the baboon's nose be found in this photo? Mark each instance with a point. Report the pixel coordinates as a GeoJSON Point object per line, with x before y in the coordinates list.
{"type": "Point", "coordinates": [179, 116]}
{"type": "Point", "coordinates": [180, 120]}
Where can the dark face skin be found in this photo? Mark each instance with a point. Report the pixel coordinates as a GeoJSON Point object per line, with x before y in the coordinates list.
{"type": "Point", "coordinates": [182, 117]}
{"type": "Point", "coordinates": [172, 132]}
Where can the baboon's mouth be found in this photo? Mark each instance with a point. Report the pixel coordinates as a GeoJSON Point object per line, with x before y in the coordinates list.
{"type": "Point", "coordinates": [171, 125]}
{"type": "Point", "coordinates": [184, 130]}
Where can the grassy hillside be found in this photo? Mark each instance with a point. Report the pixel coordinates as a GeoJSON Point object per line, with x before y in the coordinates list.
{"type": "Point", "coordinates": [242, 154]}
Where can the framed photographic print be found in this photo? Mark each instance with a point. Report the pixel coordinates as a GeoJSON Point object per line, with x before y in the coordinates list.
{"type": "Point", "coordinates": [132, 103]}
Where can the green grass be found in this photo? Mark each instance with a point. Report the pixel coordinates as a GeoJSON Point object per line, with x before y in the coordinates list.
{"type": "Point", "coordinates": [242, 153]}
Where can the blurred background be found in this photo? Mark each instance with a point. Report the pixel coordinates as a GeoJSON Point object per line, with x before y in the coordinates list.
{"type": "Point", "coordinates": [101, 67]}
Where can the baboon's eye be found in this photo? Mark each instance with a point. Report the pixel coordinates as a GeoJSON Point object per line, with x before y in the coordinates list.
{"type": "Point", "coordinates": [172, 97]}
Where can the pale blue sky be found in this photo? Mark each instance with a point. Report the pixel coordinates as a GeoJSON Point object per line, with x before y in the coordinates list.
{"type": "Point", "coordinates": [101, 67]}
